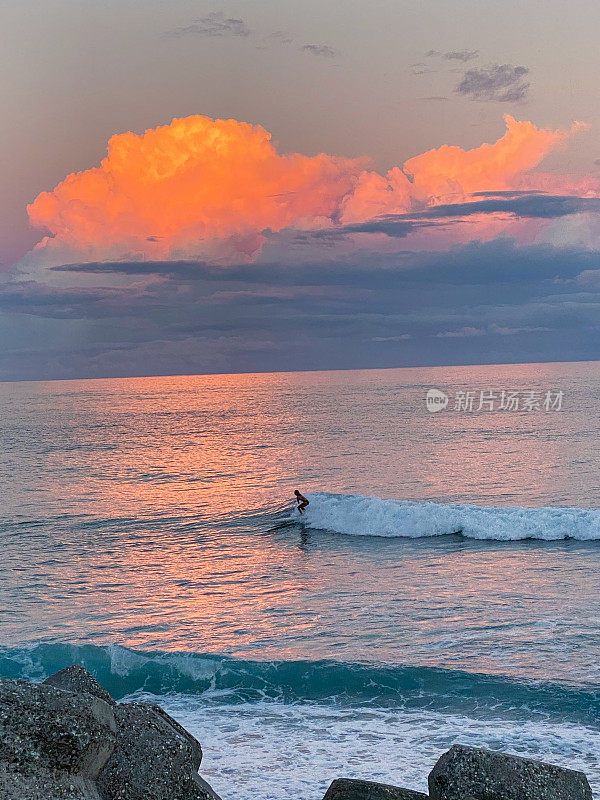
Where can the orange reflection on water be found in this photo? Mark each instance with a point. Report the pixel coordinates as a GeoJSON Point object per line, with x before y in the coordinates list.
{"type": "Point", "coordinates": [153, 495]}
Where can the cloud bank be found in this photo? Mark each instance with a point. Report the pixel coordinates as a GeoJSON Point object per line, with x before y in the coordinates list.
{"type": "Point", "coordinates": [195, 187]}
{"type": "Point", "coordinates": [216, 189]}
{"type": "Point", "coordinates": [199, 247]}
{"type": "Point", "coordinates": [474, 303]}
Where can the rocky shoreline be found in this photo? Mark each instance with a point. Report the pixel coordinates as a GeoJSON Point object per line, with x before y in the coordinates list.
{"type": "Point", "coordinates": [67, 739]}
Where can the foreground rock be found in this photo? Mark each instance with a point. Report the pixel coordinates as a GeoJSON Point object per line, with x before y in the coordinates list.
{"type": "Point", "coordinates": [477, 774]}
{"type": "Point", "coordinates": [154, 758]}
{"type": "Point", "coordinates": [53, 744]}
{"type": "Point", "coordinates": [471, 773]}
{"type": "Point", "coordinates": [349, 789]}
{"type": "Point", "coordinates": [78, 680]}
{"type": "Point", "coordinates": [67, 739]}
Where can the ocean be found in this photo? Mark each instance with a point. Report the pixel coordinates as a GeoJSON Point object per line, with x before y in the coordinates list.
{"type": "Point", "coordinates": [443, 585]}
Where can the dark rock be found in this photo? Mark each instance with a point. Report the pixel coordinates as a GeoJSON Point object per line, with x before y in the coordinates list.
{"type": "Point", "coordinates": [470, 773]}
{"type": "Point", "coordinates": [155, 759]}
{"type": "Point", "coordinates": [45, 785]}
{"type": "Point", "coordinates": [350, 789]}
{"type": "Point", "coordinates": [78, 679]}
{"type": "Point", "coordinates": [53, 744]}
{"type": "Point", "coordinates": [205, 787]}
{"type": "Point", "coordinates": [62, 740]}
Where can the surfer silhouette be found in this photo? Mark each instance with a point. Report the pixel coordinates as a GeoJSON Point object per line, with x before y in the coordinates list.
{"type": "Point", "coordinates": [302, 501]}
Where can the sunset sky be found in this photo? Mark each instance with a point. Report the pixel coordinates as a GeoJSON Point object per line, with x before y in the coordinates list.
{"type": "Point", "coordinates": [194, 187]}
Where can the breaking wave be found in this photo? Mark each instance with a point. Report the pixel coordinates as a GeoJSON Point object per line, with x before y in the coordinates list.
{"type": "Point", "coordinates": [235, 681]}
{"type": "Point", "coordinates": [358, 515]}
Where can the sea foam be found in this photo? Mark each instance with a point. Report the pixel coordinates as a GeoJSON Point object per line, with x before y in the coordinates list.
{"type": "Point", "coordinates": [303, 723]}
{"type": "Point", "coordinates": [358, 515]}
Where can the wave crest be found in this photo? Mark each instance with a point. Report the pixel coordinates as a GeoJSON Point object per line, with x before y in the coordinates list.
{"type": "Point", "coordinates": [359, 515]}
{"type": "Point", "coordinates": [231, 681]}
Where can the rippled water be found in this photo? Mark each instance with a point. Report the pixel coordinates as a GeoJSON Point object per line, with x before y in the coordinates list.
{"type": "Point", "coordinates": [147, 528]}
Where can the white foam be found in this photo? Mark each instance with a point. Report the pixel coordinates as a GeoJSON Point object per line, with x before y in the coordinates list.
{"type": "Point", "coordinates": [188, 664]}
{"type": "Point", "coordinates": [123, 660]}
{"type": "Point", "coordinates": [371, 516]}
{"type": "Point", "coordinates": [277, 751]}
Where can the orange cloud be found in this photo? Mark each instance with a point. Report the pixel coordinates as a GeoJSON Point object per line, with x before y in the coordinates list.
{"type": "Point", "coordinates": [490, 166]}
{"type": "Point", "coordinates": [211, 188]}
{"type": "Point", "coordinates": [194, 182]}
{"type": "Point", "coordinates": [450, 173]}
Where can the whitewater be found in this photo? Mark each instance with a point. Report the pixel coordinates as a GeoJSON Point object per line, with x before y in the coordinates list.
{"type": "Point", "coordinates": [372, 516]}
{"type": "Point", "coordinates": [444, 584]}
{"type": "Point", "coordinates": [276, 728]}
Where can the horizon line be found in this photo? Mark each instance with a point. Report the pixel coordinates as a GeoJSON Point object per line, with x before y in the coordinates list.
{"type": "Point", "coordinates": [298, 371]}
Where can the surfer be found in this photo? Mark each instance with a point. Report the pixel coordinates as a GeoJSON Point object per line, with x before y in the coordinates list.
{"type": "Point", "coordinates": [302, 501]}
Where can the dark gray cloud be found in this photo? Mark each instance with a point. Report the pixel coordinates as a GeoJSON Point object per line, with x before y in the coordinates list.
{"type": "Point", "coordinates": [507, 193]}
{"type": "Point", "coordinates": [524, 205]}
{"type": "Point", "coordinates": [454, 55]}
{"type": "Point", "coordinates": [501, 263]}
{"type": "Point", "coordinates": [31, 297]}
{"type": "Point", "coordinates": [461, 55]}
{"type": "Point", "coordinates": [181, 269]}
{"type": "Point", "coordinates": [320, 50]}
{"type": "Point", "coordinates": [501, 301]}
{"type": "Point", "coordinates": [397, 225]}
{"type": "Point", "coordinates": [213, 24]}
{"type": "Point", "coordinates": [501, 83]}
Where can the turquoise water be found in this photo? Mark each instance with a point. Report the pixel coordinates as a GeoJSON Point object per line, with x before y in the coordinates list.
{"type": "Point", "coordinates": [443, 586]}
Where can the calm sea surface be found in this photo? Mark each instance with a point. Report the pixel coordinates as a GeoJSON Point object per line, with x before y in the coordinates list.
{"type": "Point", "coordinates": [443, 586]}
